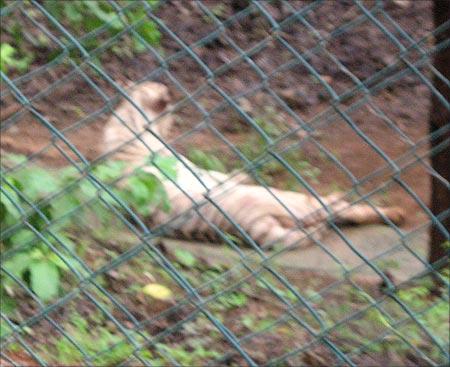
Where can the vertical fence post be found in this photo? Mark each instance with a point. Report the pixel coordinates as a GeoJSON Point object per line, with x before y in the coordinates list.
{"type": "Point", "coordinates": [439, 117]}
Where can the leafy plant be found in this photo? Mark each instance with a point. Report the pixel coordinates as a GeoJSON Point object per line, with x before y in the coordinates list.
{"type": "Point", "coordinates": [33, 261]}
{"type": "Point", "coordinates": [105, 347]}
{"type": "Point", "coordinates": [219, 10]}
{"type": "Point", "coordinates": [285, 293]}
{"type": "Point", "coordinates": [233, 300]}
{"type": "Point", "coordinates": [92, 22]}
{"type": "Point", "coordinates": [206, 160]}
{"type": "Point", "coordinates": [362, 319]}
{"type": "Point", "coordinates": [272, 171]}
{"type": "Point", "coordinates": [188, 358]}
{"type": "Point", "coordinates": [185, 258]}
{"type": "Point", "coordinates": [87, 16]}
{"type": "Point", "coordinates": [9, 59]}
{"type": "Point", "coordinates": [24, 199]}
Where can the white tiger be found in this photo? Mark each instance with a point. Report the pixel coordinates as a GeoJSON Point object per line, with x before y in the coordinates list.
{"type": "Point", "coordinates": [214, 199]}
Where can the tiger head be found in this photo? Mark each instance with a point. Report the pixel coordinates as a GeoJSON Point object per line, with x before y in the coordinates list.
{"type": "Point", "coordinates": [154, 100]}
{"type": "Point", "coordinates": [142, 121]}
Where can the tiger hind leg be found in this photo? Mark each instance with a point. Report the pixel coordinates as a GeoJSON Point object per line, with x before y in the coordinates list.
{"type": "Point", "coordinates": [357, 214]}
{"type": "Point", "coordinates": [268, 231]}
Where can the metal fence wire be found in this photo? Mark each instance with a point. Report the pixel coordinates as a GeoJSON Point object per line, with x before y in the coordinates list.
{"type": "Point", "coordinates": [316, 97]}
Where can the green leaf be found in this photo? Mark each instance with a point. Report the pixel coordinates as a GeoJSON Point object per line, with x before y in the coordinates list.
{"type": "Point", "coordinates": [64, 262]}
{"type": "Point", "coordinates": [7, 304]}
{"type": "Point", "coordinates": [66, 241]}
{"type": "Point", "coordinates": [6, 56]}
{"type": "Point", "coordinates": [22, 237]}
{"type": "Point", "coordinates": [37, 253]}
{"type": "Point", "coordinates": [6, 220]}
{"type": "Point", "coordinates": [53, 7]}
{"type": "Point", "coordinates": [8, 59]}
{"type": "Point", "coordinates": [248, 321]}
{"type": "Point", "coordinates": [88, 188]}
{"type": "Point", "coordinates": [107, 17]}
{"type": "Point", "coordinates": [109, 171]}
{"type": "Point", "coordinates": [6, 200]}
{"type": "Point", "coordinates": [18, 264]}
{"type": "Point", "coordinates": [63, 205]}
{"type": "Point", "coordinates": [138, 45]}
{"type": "Point", "coordinates": [158, 195]}
{"type": "Point", "coordinates": [164, 199]}
{"type": "Point", "coordinates": [15, 159]}
{"type": "Point", "coordinates": [68, 174]}
{"type": "Point", "coordinates": [44, 278]}
{"type": "Point", "coordinates": [91, 23]}
{"type": "Point", "coordinates": [4, 328]}
{"type": "Point", "coordinates": [17, 184]}
{"type": "Point", "coordinates": [23, 63]}
{"type": "Point", "coordinates": [237, 299]}
{"type": "Point", "coordinates": [72, 11]}
{"type": "Point", "coordinates": [140, 191]}
{"type": "Point", "coordinates": [206, 161]}
{"type": "Point", "coordinates": [37, 182]}
{"type": "Point", "coordinates": [168, 165]}
{"type": "Point", "coordinates": [149, 32]}
{"type": "Point", "coordinates": [185, 258]}
{"type": "Point", "coordinates": [37, 220]}
{"type": "Point", "coordinates": [58, 261]}
{"type": "Point", "coordinates": [110, 199]}
{"type": "Point", "coordinates": [153, 3]}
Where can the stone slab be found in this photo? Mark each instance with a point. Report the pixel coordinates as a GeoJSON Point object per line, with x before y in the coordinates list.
{"type": "Point", "coordinates": [403, 256]}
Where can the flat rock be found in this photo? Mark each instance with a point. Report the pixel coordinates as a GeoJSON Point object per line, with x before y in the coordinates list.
{"type": "Point", "coordinates": [357, 251]}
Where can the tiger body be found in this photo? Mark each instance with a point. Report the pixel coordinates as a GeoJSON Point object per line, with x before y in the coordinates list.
{"type": "Point", "coordinates": [208, 202]}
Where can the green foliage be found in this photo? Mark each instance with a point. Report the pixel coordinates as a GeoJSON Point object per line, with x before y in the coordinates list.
{"type": "Point", "coordinates": [387, 317]}
{"type": "Point", "coordinates": [106, 346]}
{"type": "Point", "coordinates": [219, 10]}
{"type": "Point", "coordinates": [24, 195]}
{"type": "Point", "coordinates": [167, 166]}
{"type": "Point", "coordinates": [248, 321]}
{"type": "Point", "coordinates": [233, 300]}
{"type": "Point", "coordinates": [254, 324]}
{"type": "Point", "coordinates": [33, 261]}
{"type": "Point", "coordinates": [254, 147]}
{"type": "Point", "coordinates": [272, 171]}
{"type": "Point", "coordinates": [185, 258]}
{"type": "Point", "coordinates": [435, 318]}
{"type": "Point", "coordinates": [44, 278]}
{"type": "Point", "coordinates": [9, 60]}
{"type": "Point", "coordinates": [188, 357]}
{"type": "Point", "coordinates": [4, 328]}
{"type": "Point", "coordinates": [81, 18]}
{"type": "Point", "coordinates": [93, 338]}
{"type": "Point", "coordinates": [87, 16]}
{"type": "Point", "coordinates": [205, 160]}
{"type": "Point", "coordinates": [282, 293]}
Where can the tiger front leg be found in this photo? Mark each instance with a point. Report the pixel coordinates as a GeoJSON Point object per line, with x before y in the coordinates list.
{"type": "Point", "coordinates": [269, 231]}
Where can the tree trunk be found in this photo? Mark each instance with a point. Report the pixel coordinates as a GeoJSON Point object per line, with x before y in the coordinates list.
{"type": "Point", "coordinates": [439, 117]}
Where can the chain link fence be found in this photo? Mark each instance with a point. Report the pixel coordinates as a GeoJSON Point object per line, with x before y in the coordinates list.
{"type": "Point", "coordinates": [317, 97]}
